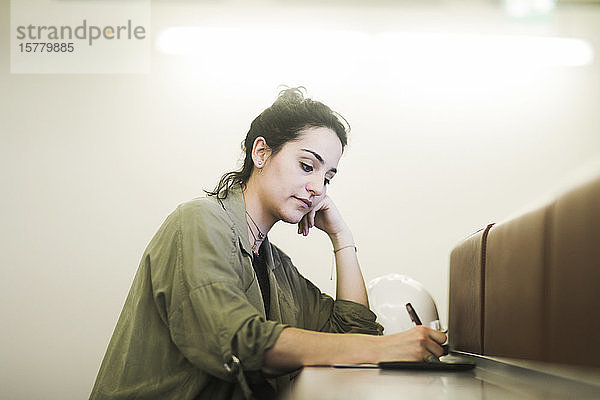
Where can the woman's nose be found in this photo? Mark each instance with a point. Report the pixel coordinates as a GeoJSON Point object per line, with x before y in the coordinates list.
{"type": "Point", "coordinates": [316, 185]}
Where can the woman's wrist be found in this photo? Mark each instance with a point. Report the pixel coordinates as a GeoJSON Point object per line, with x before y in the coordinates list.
{"type": "Point", "coordinates": [373, 348]}
{"type": "Point", "coordinates": [342, 239]}
{"type": "Point", "coordinates": [381, 347]}
{"type": "Point", "coordinates": [348, 246]}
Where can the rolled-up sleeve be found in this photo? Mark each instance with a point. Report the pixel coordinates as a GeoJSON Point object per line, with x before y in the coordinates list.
{"type": "Point", "coordinates": [350, 317]}
{"type": "Point", "coordinates": [208, 314]}
{"type": "Point", "coordinates": [320, 312]}
{"type": "Point", "coordinates": [217, 322]}
{"type": "Point", "coordinates": [339, 316]}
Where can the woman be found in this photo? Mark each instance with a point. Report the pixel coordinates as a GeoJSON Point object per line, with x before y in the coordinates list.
{"type": "Point", "coordinates": [217, 312]}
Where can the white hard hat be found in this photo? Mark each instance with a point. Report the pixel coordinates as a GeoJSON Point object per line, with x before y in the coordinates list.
{"type": "Point", "coordinates": [388, 296]}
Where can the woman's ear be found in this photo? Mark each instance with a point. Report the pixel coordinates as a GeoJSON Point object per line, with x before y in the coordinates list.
{"type": "Point", "coordinates": [260, 152]}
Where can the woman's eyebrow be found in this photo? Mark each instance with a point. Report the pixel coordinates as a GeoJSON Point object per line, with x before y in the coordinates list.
{"type": "Point", "coordinates": [319, 158]}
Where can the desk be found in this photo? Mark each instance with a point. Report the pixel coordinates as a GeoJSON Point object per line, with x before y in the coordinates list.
{"type": "Point", "coordinates": [491, 379]}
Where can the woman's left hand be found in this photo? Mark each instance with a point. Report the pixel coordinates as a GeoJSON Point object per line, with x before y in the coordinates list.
{"type": "Point", "coordinates": [324, 216]}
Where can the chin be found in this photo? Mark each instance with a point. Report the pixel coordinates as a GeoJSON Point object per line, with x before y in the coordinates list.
{"type": "Point", "coordinates": [292, 220]}
{"type": "Point", "coordinates": [293, 217]}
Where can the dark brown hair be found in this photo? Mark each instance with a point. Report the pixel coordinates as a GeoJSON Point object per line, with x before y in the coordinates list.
{"type": "Point", "coordinates": [282, 122]}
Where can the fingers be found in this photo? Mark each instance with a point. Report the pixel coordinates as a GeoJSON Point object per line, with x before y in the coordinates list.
{"type": "Point", "coordinates": [429, 341]}
{"type": "Point", "coordinates": [417, 344]}
{"type": "Point", "coordinates": [433, 349]}
{"type": "Point", "coordinates": [311, 218]}
{"type": "Point", "coordinates": [302, 226]}
{"type": "Point", "coordinates": [438, 336]}
{"type": "Point", "coordinates": [307, 222]}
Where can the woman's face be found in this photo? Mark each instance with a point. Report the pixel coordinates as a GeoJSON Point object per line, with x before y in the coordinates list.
{"type": "Point", "coordinates": [295, 179]}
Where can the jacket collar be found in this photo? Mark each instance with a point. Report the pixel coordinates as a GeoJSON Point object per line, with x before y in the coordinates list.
{"type": "Point", "coordinates": [235, 206]}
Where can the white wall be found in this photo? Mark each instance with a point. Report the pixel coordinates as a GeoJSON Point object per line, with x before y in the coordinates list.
{"type": "Point", "coordinates": [92, 164]}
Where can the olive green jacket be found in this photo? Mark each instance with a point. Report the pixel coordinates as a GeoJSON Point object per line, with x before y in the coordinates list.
{"type": "Point", "coordinates": [194, 326]}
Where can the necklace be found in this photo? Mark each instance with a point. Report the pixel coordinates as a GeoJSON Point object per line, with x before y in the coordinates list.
{"type": "Point", "coordinates": [260, 237]}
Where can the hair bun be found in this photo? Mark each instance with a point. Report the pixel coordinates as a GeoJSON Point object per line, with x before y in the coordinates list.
{"type": "Point", "coordinates": [291, 95]}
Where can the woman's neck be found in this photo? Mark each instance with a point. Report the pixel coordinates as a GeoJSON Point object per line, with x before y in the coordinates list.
{"type": "Point", "coordinates": [259, 220]}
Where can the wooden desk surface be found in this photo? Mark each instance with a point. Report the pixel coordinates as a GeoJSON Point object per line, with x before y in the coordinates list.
{"type": "Point", "coordinates": [489, 380]}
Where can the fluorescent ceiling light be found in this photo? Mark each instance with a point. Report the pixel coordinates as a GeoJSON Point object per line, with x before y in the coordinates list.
{"type": "Point", "coordinates": [488, 50]}
{"type": "Point", "coordinates": [395, 50]}
{"type": "Point", "coordinates": [529, 8]}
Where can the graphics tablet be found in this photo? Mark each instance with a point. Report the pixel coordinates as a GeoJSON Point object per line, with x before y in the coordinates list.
{"type": "Point", "coordinates": [427, 366]}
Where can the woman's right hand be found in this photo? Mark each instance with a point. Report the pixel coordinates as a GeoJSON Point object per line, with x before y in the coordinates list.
{"type": "Point", "coordinates": [417, 344]}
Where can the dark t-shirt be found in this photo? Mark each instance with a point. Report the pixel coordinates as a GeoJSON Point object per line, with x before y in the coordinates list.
{"type": "Point", "coordinates": [260, 267]}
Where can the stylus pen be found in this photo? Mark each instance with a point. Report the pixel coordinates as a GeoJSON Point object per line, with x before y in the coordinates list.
{"type": "Point", "coordinates": [413, 314]}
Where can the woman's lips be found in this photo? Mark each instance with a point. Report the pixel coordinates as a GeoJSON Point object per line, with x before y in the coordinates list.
{"type": "Point", "coordinates": [307, 203]}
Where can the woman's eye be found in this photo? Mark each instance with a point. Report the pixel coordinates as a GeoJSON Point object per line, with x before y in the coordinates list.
{"type": "Point", "coordinates": [306, 167]}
